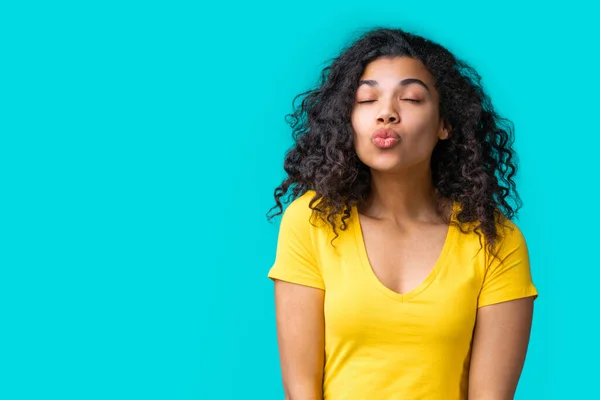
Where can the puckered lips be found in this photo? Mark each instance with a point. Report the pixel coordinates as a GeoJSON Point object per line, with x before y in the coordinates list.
{"type": "Point", "coordinates": [385, 138]}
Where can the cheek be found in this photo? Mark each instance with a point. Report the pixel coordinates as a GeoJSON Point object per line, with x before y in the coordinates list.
{"type": "Point", "coordinates": [423, 128]}
{"type": "Point", "coordinates": [421, 140]}
{"type": "Point", "coordinates": [420, 118]}
{"type": "Point", "coordinates": [360, 125]}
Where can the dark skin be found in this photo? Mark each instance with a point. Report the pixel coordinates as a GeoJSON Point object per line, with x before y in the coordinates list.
{"type": "Point", "coordinates": [404, 210]}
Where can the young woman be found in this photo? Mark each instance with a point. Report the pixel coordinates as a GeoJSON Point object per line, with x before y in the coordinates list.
{"type": "Point", "coordinates": [399, 273]}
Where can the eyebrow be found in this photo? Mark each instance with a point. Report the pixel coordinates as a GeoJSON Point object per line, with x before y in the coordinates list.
{"type": "Point", "coordinates": [403, 82]}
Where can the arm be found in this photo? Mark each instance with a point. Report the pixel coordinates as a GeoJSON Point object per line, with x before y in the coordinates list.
{"type": "Point", "coordinates": [301, 339]}
{"type": "Point", "coordinates": [500, 343]}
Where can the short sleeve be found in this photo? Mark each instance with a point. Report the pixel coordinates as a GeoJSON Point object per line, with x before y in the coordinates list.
{"type": "Point", "coordinates": [295, 259]}
{"type": "Point", "coordinates": [508, 276]}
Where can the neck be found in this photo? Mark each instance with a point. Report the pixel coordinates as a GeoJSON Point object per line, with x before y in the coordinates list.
{"type": "Point", "coordinates": [405, 196]}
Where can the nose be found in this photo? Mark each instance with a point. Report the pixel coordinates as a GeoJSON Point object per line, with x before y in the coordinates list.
{"type": "Point", "coordinates": [388, 114]}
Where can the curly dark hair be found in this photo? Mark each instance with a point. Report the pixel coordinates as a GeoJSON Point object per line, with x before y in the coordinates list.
{"type": "Point", "coordinates": [474, 167]}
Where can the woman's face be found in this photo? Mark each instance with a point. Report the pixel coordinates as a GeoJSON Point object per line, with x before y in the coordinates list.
{"type": "Point", "coordinates": [395, 118]}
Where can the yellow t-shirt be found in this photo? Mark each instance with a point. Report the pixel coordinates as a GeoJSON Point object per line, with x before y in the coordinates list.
{"type": "Point", "coordinates": [383, 345]}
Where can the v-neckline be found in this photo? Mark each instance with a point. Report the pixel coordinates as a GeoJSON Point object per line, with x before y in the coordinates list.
{"type": "Point", "coordinates": [372, 278]}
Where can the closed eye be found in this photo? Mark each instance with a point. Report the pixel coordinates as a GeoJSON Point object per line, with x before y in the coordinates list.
{"type": "Point", "coordinates": [372, 101]}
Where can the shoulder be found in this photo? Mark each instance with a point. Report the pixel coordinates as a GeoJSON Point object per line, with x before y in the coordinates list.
{"type": "Point", "coordinates": [509, 233]}
{"type": "Point", "coordinates": [510, 245]}
{"type": "Point", "coordinates": [301, 214]}
{"type": "Point", "coordinates": [299, 210]}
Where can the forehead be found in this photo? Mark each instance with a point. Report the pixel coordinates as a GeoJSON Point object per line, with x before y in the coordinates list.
{"type": "Point", "coordinates": [391, 70]}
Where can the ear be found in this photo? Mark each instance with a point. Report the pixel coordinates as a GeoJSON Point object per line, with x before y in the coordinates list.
{"type": "Point", "coordinates": [444, 131]}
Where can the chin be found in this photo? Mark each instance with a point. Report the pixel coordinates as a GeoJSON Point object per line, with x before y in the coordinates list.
{"type": "Point", "coordinates": [384, 165]}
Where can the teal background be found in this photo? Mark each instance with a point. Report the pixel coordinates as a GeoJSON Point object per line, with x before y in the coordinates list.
{"type": "Point", "coordinates": [140, 145]}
